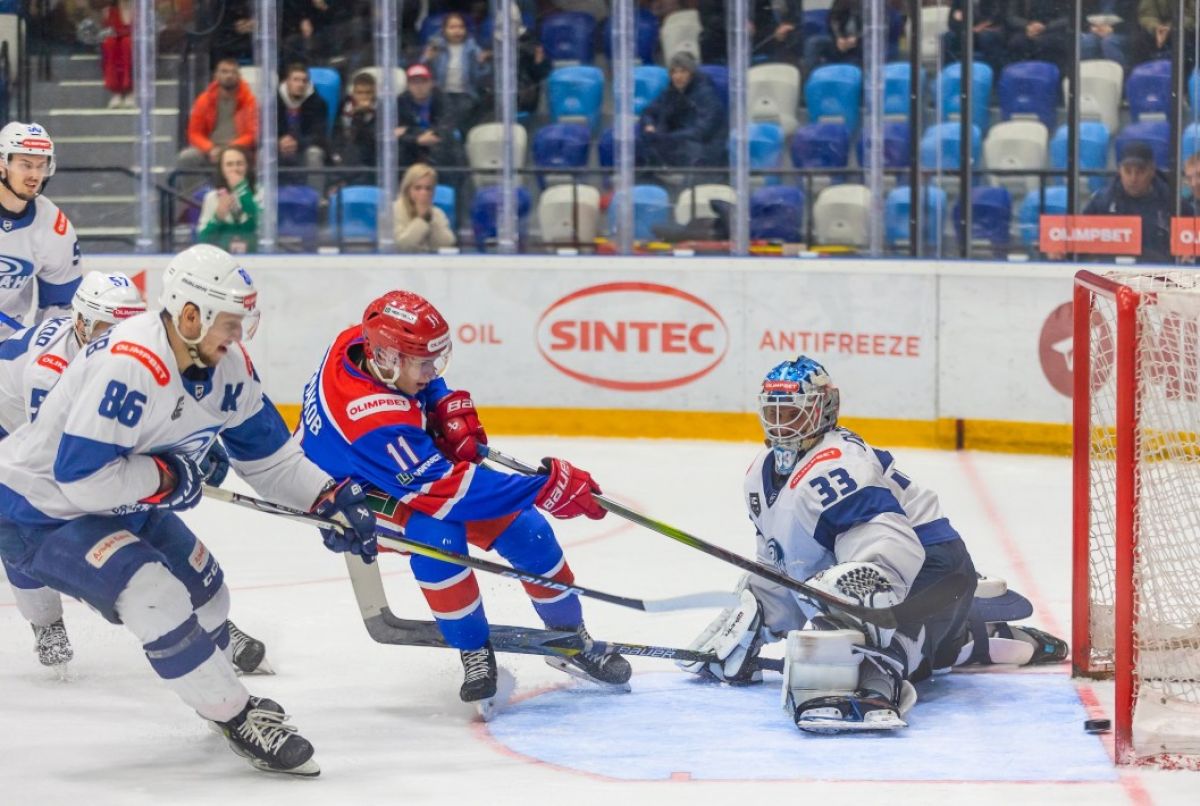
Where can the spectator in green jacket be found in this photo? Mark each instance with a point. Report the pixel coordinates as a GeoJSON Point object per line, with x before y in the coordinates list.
{"type": "Point", "coordinates": [229, 213]}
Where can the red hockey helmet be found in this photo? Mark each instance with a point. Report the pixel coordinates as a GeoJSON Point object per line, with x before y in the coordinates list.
{"type": "Point", "coordinates": [399, 324]}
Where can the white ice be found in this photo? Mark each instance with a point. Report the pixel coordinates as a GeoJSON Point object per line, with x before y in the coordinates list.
{"type": "Point", "coordinates": [386, 720]}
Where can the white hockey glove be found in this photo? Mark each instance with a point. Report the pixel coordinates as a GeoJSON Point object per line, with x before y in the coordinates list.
{"type": "Point", "coordinates": [735, 637]}
{"type": "Point", "coordinates": [864, 584]}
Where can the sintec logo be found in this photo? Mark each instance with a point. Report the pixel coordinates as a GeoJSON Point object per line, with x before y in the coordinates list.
{"type": "Point", "coordinates": [635, 337]}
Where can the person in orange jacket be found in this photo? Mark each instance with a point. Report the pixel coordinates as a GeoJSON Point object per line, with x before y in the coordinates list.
{"type": "Point", "coordinates": [226, 113]}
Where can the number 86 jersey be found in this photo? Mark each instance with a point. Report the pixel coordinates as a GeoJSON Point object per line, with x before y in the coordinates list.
{"type": "Point", "coordinates": [843, 502]}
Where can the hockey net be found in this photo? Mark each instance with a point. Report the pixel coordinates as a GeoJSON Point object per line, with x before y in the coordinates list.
{"type": "Point", "coordinates": [1136, 491]}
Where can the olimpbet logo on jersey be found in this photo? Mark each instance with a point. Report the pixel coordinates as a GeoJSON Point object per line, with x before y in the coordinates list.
{"type": "Point", "coordinates": [632, 336]}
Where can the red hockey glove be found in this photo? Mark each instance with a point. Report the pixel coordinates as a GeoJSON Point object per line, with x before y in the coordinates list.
{"type": "Point", "coordinates": [456, 429]}
{"type": "Point", "coordinates": [568, 492]}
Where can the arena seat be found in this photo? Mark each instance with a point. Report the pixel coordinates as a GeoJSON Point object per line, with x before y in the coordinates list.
{"type": "Point", "coordinates": [777, 213]}
{"type": "Point", "coordinates": [1100, 86]}
{"type": "Point", "coordinates": [991, 217]}
{"type": "Point", "coordinates": [821, 145]}
{"type": "Point", "coordinates": [446, 199]}
{"type": "Point", "coordinates": [649, 81]}
{"type": "Point", "coordinates": [353, 212]}
{"type": "Point", "coordinates": [840, 215]}
{"type": "Point", "coordinates": [1016, 145]}
{"type": "Point", "coordinates": [766, 148]}
{"type": "Point", "coordinates": [833, 92]}
{"type": "Point", "coordinates": [485, 213]}
{"type": "Point", "coordinates": [651, 206]}
{"type": "Point", "coordinates": [773, 92]}
{"type": "Point", "coordinates": [251, 74]}
{"type": "Point", "coordinates": [718, 74]}
{"type": "Point", "coordinates": [576, 94]}
{"type": "Point", "coordinates": [399, 78]}
{"type": "Point", "coordinates": [485, 149]}
{"type": "Point", "coordinates": [646, 37]}
{"type": "Point", "coordinates": [569, 214]}
{"type": "Point", "coordinates": [1191, 140]}
{"type": "Point", "coordinates": [1031, 209]}
{"type": "Point", "coordinates": [1093, 151]}
{"type": "Point", "coordinates": [703, 195]}
{"type": "Point", "coordinates": [940, 146]}
{"type": "Point", "coordinates": [1155, 133]}
{"type": "Point", "coordinates": [1029, 89]}
{"type": "Point", "coordinates": [298, 215]}
{"type": "Point", "coordinates": [680, 30]}
{"type": "Point", "coordinates": [561, 145]}
{"type": "Point", "coordinates": [896, 210]}
{"type": "Point", "coordinates": [935, 21]}
{"type": "Point", "coordinates": [816, 23]}
{"type": "Point", "coordinates": [567, 37]}
{"type": "Point", "coordinates": [897, 85]}
{"type": "Point", "coordinates": [897, 145]}
{"type": "Point", "coordinates": [327, 83]}
{"type": "Point", "coordinates": [1148, 90]}
{"type": "Point", "coordinates": [950, 81]}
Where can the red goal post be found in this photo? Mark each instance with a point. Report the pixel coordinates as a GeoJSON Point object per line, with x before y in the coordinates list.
{"type": "Point", "coordinates": [1136, 505]}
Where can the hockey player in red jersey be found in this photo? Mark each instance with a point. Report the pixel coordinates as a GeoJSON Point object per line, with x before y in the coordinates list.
{"type": "Point", "coordinates": [377, 410]}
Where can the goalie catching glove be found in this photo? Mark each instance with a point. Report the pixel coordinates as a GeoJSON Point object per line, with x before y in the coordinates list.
{"type": "Point", "coordinates": [735, 636]}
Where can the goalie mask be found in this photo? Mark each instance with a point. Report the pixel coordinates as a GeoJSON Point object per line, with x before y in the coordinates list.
{"type": "Point", "coordinates": [798, 403]}
{"type": "Point", "coordinates": [402, 326]}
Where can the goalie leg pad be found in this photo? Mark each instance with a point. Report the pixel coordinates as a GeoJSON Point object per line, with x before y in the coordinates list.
{"type": "Point", "coordinates": [735, 636]}
{"type": "Point", "coordinates": [819, 663]}
{"type": "Point", "coordinates": [859, 583]}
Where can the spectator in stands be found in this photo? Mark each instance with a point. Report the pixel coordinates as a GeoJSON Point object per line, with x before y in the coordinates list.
{"type": "Point", "coordinates": [775, 28]}
{"type": "Point", "coordinates": [1155, 39]}
{"type": "Point", "coordinates": [1041, 32]}
{"type": "Point", "coordinates": [354, 131]}
{"type": "Point", "coordinates": [225, 113]}
{"type": "Point", "coordinates": [116, 54]}
{"type": "Point", "coordinates": [425, 126]}
{"type": "Point", "coordinates": [1138, 190]}
{"type": "Point", "coordinates": [320, 32]}
{"type": "Point", "coordinates": [533, 68]}
{"type": "Point", "coordinates": [1109, 25]}
{"type": "Point", "coordinates": [991, 32]}
{"type": "Point", "coordinates": [234, 31]}
{"type": "Point", "coordinates": [301, 116]}
{"type": "Point", "coordinates": [460, 68]}
{"type": "Point", "coordinates": [686, 125]}
{"type": "Point", "coordinates": [229, 213]}
{"type": "Point", "coordinates": [420, 226]}
{"type": "Point", "coordinates": [842, 42]}
{"type": "Point", "coordinates": [1191, 174]}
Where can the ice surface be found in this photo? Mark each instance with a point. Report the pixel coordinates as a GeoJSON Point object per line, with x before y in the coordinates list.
{"type": "Point", "coordinates": [388, 726]}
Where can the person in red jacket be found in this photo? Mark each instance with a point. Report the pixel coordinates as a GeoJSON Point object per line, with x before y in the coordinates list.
{"type": "Point", "coordinates": [116, 54]}
{"type": "Point", "coordinates": [226, 113]}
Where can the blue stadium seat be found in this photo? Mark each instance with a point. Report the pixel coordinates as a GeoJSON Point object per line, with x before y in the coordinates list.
{"type": "Point", "coordinates": [298, 205]}
{"type": "Point", "coordinates": [718, 74]}
{"type": "Point", "coordinates": [833, 93]}
{"type": "Point", "coordinates": [766, 148]}
{"type": "Point", "coordinates": [651, 206]}
{"type": "Point", "coordinates": [1029, 89]}
{"type": "Point", "coordinates": [1030, 212]}
{"type": "Point", "coordinates": [446, 199]}
{"type": "Point", "coordinates": [484, 35]}
{"type": "Point", "coordinates": [606, 148]}
{"type": "Point", "coordinates": [567, 37]}
{"type": "Point", "coordinates": [1148, 89]}
{"type": "Point", "coordinates": [1155, 133]}
{"type": "Point", "coordinates": [943, 139]}
{"type": "Point", "coordinates": [649, 81]}
{"type": "Point", "coordinates": [576, 92]}
{"type": "Point", "coordinates": [1093, 151]}
{"type": "Point", "coordinates": [355, 208]}
{"type": "Point", "coordinates": [777, 213]}
{"type": "Point", "coordinates": [896, 209]}
{"type": "Point", "coordinates": [897, 85]}
{"type": "Point", "coordinates": [1191, 140]}
{"type": "Point", "coordinates": [950, 81]}
{"type": "Point", "coordinates": [190, 214]}
{"type": "Point", "coordinates": [485, 213]}
{"type": "Point", "coordinates": [561, 145]}
{"type": "Point", "coordinates": [647, 37]}
{"type": "Point", "coordinates": [897, 145]}
{"type": "Point", "coordinates": [821, 145]}
{"type": "Point", "coordinates": [816, 23]}
{"type": "Point", "coordinates": [328, 84]}
{"type": "Point", "coordinates": [991, 215]}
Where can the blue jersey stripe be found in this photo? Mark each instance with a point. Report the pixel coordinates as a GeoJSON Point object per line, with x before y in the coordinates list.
{"type": "Point", "coordinates": [56, 294]}
{"type": "Point", "coordinates": [17, 345]}
{"type": "Point", "coordinates": [15, 507]}
{"type": "Point", "coordinates": [259, 436]}
{"type": "Point", "coordinates": [862, 506]}
{"type": "Point", "coordinates": [80, 457]}
{"type": "Point", "coordinates": [934, 532]}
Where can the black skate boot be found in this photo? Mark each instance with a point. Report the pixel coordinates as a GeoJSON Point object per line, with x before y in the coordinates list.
{"type": "Point", "coordinates": [595, 667]}
{"type": "Point", "coordinates": [861, 711]}
{"type": "Point", "coordinates": [260, 735]}
{"type": "Point", "coordinates": [52, 645]}
{"type": "Point", "coordinates": [479, 674]}
{"type": "Point", "coordinates": [249, 653]}
{"type": "Point", "coordinates": [1046, 647]}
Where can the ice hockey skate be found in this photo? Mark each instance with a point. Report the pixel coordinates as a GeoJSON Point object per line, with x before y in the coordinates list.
{"type": "Point", "coordinates": [479, 680]}
{"type": "Point", "coordinates": [249, 653]}
{"type": "Point", "coordinates": [261, 735]}
{"type": "Point", "coordinates": [609, 670]}
{"type": "Point", "coordinates": [864, 711]}
{"type": "Point", "coordinates": [53, 647]}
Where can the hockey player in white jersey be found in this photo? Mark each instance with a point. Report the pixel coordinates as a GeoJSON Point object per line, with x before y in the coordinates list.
{"type": "Point", "coordinates": [90, 489]}
{"type": "Point", "coordinates": [38, 248]}
{"type": "Point", "coordinates": [836, 513]}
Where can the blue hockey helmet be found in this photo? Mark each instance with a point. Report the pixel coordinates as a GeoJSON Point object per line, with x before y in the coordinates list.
{"type": "Point", "coordinates": [798, 403]}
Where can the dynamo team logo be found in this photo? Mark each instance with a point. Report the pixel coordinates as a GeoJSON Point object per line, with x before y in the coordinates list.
{"type": "Point", "coordinates": [775, 553]}
{"type": "Point", "coordinates": [12, 267]}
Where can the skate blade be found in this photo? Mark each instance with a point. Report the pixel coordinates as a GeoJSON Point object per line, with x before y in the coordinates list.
{"type": "Point", "coordinates": [830, 727]}
{"type": "Point", "coordinates": [263, 668]}
{"type": "Point", "coordinates": [564, 665]}
{"type": "Point", "coordinates": [308, 769]}
{"type": "Point", "coordinates": [487, 708]}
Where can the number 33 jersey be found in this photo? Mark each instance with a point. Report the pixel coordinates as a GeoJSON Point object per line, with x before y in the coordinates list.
{"type": "Point", "coordinates": [124, 399]}
{"type": "Point", "coordinates": [843, 502]}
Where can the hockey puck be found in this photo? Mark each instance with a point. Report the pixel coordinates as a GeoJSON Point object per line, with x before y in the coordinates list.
{"type": "Point", "coordinates": [1097, 725]}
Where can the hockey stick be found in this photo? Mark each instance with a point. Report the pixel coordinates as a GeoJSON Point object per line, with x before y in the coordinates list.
{"type": "Point", "coordinates": [686, 602]}
{"type": "Point", "coordinates": [914, 608]}
{"type": "Point", "coordinates": [386, 627]}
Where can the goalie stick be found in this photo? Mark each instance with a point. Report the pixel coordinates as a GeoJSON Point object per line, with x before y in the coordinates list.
{"type": "Point", "coordinates": [915, 608]}
{"type": "Point", "coordinates": [685, 602]}
{"type": "Point", "coordinates": [386, 627]}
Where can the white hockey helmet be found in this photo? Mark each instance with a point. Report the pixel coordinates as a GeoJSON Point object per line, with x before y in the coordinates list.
{"type": "Point", "coordinates": [105, 298]}
{"type": "Point", "coordinates": [212, 280]}
{"type": "Point", "coordinates": [27, 138]}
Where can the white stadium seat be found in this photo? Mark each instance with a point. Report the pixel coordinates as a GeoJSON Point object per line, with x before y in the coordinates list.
{"type": "Point", "coordinates": [680, 31]}
{"type": "Point", "coordinates": [1100, 85]}
{"type": "Point", "coordinates": [840, 215]}
{"type": "Point", "coordinates": [399, 77]}
{"type": "Point", "coordinates": [569, 214]}
{"type": "Point", "coordinates": [485, 149]}
{"type": "Point", "coordinates": [251, 75]}
{"type": "Point", "coordinates": [704, 194]}
{"type": "Point", "coordinates": [1016, 145]}
{"type": "Point", "coordinates": [774, 92]}
{"type": "Point", "coordinates": [935, 21]}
